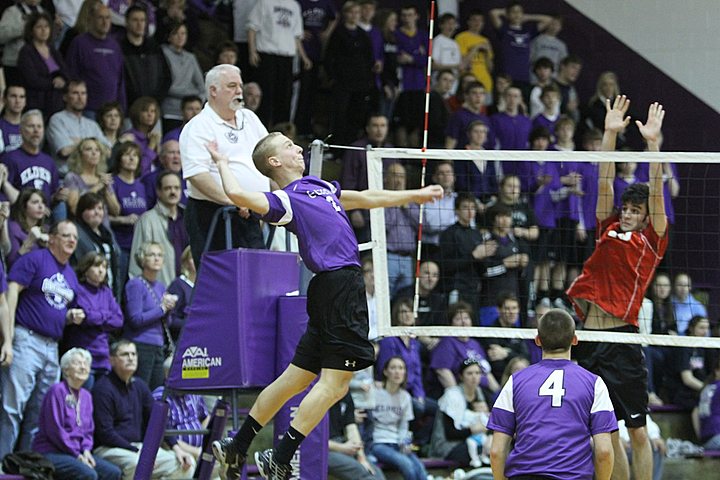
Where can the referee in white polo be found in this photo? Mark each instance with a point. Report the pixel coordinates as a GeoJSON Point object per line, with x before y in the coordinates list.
{"type": "Point", "coordinates": [236, 131]}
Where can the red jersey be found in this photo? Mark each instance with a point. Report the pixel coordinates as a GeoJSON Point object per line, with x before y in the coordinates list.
{"type": "Point", "coordinates": [619, 271]}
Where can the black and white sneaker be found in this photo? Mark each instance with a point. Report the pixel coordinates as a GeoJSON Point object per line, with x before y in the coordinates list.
{"type": "Point", "coordinates": [231, 461]}
{"type": "Point", "coordinates": [269, 468]}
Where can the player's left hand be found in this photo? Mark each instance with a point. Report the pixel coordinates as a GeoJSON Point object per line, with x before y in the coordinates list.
{"type": "Point", "coordinates": [651, 129]}
{"type": "Point", "coordinates": [429, 193]}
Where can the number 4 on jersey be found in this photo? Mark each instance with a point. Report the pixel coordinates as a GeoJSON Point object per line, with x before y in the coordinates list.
{"type": "Point", "coordinates": [553, 387]}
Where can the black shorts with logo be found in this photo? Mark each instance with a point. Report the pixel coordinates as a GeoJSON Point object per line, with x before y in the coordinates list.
{"type": "Point", "coordinates": [622, 368]}
{"type": "Point", "coordinates": [337, 331]}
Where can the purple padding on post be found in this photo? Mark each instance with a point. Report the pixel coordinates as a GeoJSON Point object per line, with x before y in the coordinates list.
{"type": "Point", "coordinates": [151, 442]}
{"type": "Point", "coordinates": [229, 337]}
{"type": "Point", "coordinates": [310, 461]}
{"type": "Point", "coordinates": [218, 419]}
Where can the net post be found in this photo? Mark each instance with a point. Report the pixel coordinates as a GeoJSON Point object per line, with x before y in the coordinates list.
{"type": "Point", "coordinates": [379, 248]}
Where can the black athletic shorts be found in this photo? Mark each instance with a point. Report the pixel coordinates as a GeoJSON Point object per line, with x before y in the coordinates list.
{"type": "Point", "coordinates": [337, 332]}
{"type": "Point", "coordinates": [622, 368]}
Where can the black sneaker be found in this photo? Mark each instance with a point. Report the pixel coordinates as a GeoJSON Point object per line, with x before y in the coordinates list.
{"type": "Point", "coordinates": [269, 468]}
{"type": "Point", "coordinates": [231, 461]}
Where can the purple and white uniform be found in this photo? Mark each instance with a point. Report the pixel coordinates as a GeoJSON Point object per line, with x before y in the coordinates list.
{"type": "Point", "coordinates": [310, 208]}
{"type": "Point", "coordinates": [553, 408]}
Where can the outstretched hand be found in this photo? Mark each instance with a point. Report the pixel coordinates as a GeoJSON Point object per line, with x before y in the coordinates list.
{"type": "Point", "coordinates": [615, 115]}
{"type": "Point", "coordinates": [429, 193]}
{"type": "Point", "coordinates": [652, 128]}
{"type": "Point", "coordinates": [217, 157]}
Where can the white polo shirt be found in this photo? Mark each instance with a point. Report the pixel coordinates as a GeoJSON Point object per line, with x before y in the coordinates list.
{"type": "Point", "coordinates": [237, 143]}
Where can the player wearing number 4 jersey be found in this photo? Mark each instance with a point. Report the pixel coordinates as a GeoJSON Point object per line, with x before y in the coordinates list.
{"type": "Point", "coordinates": [336, 341]}
{"type": "Point", "coordinates": [553, 409]}
{"type": "Point", "coordinates": [609, 292]}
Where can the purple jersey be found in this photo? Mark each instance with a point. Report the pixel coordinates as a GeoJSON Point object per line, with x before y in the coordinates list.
{"type": "Point", "coordinates": [49, 290]}
{"type": "Point", "coordinates": [27, 170]}
{"type": "Point", "coordinates": [515, 50]}
{"type": "Point", "coordinates": [10, 135]}
{"type": "Point", "coordinates": [310, 208]}
{"type": "Point", "coordinates": [553, 408]}
{"type": "Point", "coordinates": [132, 199]}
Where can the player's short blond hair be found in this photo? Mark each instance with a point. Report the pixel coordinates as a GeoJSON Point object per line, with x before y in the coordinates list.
{"type": "Point", "coordinates": [265, 149]}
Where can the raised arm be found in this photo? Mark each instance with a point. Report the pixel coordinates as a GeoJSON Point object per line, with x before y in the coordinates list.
{"type": "Point", "coordinates": [651, 132]}
{"type": "Point", "coordinates": [496, 16]}
{"type": "Point", "coordinates": [615, 121]}
{"type": "Point", "coordinates": [352, 199]}
{"type": "Point", "coordinates": [255, 201]}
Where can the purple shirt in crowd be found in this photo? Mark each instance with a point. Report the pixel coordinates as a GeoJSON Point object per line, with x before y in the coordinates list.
{"type": "Point", "coordinates": [511, 132]}
{"type": "Point", "coordinates": [10, 135]}
{"type": "Point", "coordinates": [65, 424]}
{"type": "Point", "coordinates": [451, 352]}
{"type": "Point", "coordinates": [553, 408]}
{"type": "Point", "coordinates": [395, 347]}
{"type": "Point", "coordinates": [143, 313]}
{"type": "Point", "coordinates": [515, 50]}
{"type": "Point", "coordinates": [457, 128]}
{"type": "Point", "coordinates": [545, 210]}
{"type": "Point", "coordinates": [643, 175]}
{"type": "Point", "coordinates": [27, 170]}
{"type": "Point", "coordinates": [49, 291]}
{"type": "Point", "coordinates": [147, 154]}
{"type": "Point", "coordinates": [317, 14]}
{"type": "Point", "coordinates": [413, 74]}
{"type": "Point", "coordinates": [588, 202]}
{"type": "Point", "coordinates": [310, 208]}
{"type": "Point", "coordinates": [709, 410]}
{"type": "Point", "coordinates": [132, 199]}
{"type": "Point", "coordinates": [99, 62]}
{"type": "Point", "coordinates": [568, 207]}
{"type": "Point", "coordinates": [102, 316]}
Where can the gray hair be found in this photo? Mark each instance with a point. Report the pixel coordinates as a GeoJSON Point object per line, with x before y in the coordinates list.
{"type": "Point", "coordinates": [31, 113]}
{"type": "Point", "coordinates": [68, 356]}
{"type": "Point", "coordinates": [212, 78]}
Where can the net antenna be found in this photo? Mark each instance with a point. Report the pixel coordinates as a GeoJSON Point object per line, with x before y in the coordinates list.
{"type": "Point", "coordinates": [379, 245]}
{"type": "Point", "coordinates": [423, 170]}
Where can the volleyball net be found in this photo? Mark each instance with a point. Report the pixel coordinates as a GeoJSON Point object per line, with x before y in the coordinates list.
{"type": "Point", "coordinates": [693, 249]}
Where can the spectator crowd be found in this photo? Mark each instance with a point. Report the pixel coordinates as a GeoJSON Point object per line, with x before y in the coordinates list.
{"type": "Point", "coordinates": [97, 267]}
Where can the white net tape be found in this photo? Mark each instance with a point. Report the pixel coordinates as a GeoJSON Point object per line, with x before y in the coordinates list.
{"type": "Point", "coordinates": [379, 247]}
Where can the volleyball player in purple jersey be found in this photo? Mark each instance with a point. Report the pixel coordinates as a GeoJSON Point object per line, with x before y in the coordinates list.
{"type": "Point", "coordinates": [335, 343]}
{"type": "Point", "coordinates": [552, 409]}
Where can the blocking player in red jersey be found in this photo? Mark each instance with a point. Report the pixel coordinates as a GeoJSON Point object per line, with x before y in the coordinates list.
{"type": "Point", "coordinates": [608, 294]}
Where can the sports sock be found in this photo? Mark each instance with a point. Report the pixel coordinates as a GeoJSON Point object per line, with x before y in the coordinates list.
{"type": "Point", "coordinates": [246, 434]}
{"type": "Point", "coordinates": [288, 445]}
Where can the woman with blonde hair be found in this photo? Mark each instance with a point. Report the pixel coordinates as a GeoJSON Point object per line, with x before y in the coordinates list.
{"type": "Point", "coordinates": [607, 87]}
{"type": "Point", "coordinates": [88, 173]}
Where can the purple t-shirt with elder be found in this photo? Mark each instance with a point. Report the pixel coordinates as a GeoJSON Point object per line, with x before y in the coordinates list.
{"type": "Point", "coordinates": [310, 208]}
{"type": "Point", "coordinates": [27, 170]}
{"type": "Point", "coordinates": [132, 199]}
{"type": "Point", "coordinates": [49, 290]}
{"type": "Point", "coordinates": [553, 408]}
